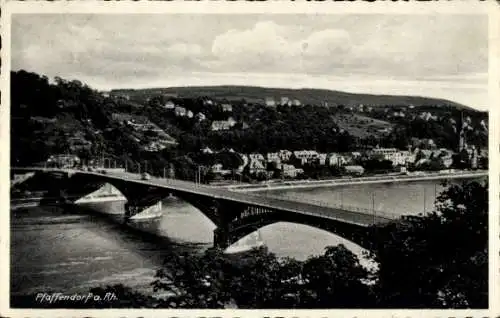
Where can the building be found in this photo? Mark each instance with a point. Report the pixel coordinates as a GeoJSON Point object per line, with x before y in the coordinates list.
{"type": "Point", "coordinates": [256, 156]}
{"type": "Point", "coordinates": [285, 155]}
{"type": "Point", "coordinates": [270, 102]}
{"type": "Point", "coordinates": [256, 166]}
{"type": "Point", "coordinates": [180, 111]}
{"type": "Point", "coordinates": [306, 156]}
{"type": "Point", "coordinates": [273, 156]}
{"type": "Point", "coordinates": [190, 114]}
{"type": "Point", "coordinates": [227, 108]}
{"type": "Point", "coordinates": [322, 159]}
{"type": "Point", "coordinates": [284, 101]}
{"type": "Point", "coordinates": [169, 105]}
{"type": "Point", "coordinates": [289, 171]}
{"type": "Point", "coordinates": [200, 116]}
{"type": "Point", "coordinates": [427, 116]}
{"type": "Point", "coordinates": [207, 150]}
{"type": "Point", "coordinates": [63, 161]}
{"type": "Point", "coordinates": [333, 159]}
{"type": "Point", "coordinates": [398, 157]}
{"type": "Point", "coordinates": [354, 170]}
{"type": "Point", "coordinates": [216, 168]}
{"type": "Point", "coordinates": [218, 125]}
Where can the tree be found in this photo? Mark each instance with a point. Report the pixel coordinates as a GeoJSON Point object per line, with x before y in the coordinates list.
{"type": "Point", "coordinates": [335, 280]}
{"type": "Point", "coordinates": [439, 260]}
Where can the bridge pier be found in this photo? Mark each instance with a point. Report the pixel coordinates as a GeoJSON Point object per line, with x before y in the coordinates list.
{"type": "Point", "coordinates": [222, 238]}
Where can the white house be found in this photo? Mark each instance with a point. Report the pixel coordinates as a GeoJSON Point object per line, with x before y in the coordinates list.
{"type": "Point", "coordinates": [180, 111]}
{"type": "Point", "coordinates": [270, 102]}
{"type": "Point", "coordinates": [169, 105]}
{"type": "Point", "coordinates": [227, 108]}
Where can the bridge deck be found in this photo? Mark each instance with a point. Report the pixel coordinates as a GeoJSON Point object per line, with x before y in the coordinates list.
{"type": "Point", "coordinates": [344, 215]}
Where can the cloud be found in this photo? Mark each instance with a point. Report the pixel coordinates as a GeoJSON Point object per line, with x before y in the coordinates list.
{"type": "Point", "coordinates": [268, 48]}
{"type": "Point", "coordinates": [124, 50]}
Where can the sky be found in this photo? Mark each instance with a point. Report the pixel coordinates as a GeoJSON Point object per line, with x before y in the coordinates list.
{"type": "Point", "coordinates": [444, 56]}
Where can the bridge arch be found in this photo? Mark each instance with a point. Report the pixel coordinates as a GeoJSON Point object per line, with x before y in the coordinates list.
{"type": "Point", "coordinates": [354, 233]}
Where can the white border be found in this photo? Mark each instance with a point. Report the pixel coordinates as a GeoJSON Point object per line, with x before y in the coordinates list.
{"type": "Point", "coordinates": [245, 7]}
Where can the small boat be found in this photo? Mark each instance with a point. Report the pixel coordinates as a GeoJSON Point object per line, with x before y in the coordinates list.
{"type": "Point", "coordinates": [251, 241]}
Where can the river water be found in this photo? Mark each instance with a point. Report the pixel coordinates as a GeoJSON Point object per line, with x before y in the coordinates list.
{"type": "Point", "coordinates": [71, 250]}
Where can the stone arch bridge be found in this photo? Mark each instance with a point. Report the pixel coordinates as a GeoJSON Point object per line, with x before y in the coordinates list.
{"type": "Point", "coordinates": [235, 214]}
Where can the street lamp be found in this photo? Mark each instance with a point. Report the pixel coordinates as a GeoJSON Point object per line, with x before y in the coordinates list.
{"type": "Point", "coordinates": [373, 206]}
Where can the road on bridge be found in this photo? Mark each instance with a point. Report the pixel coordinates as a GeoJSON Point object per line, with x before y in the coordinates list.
{"type": "Point", "coordinates": [352, 217]}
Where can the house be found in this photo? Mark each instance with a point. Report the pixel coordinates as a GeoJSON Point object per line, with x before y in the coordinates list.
{"type": "Point", "coordinates": [256, 166]}
{"type": "Point", "coordinates": [427, 116]}
{"type": "Point", "coordinates": [273, 156]}
{"type": "Point", "coordinates": [227, 108]}
{"type": "Point", "coordinates": [256, 156]}
{"type": "Point", "coordinates": [305, 156]}
{"type": "Point", "coordinates": [398, 157]}
{"type": "Point", "coordinates": [63, 161]}
{"type": "Point", "coordinates": [333, 159]}
{"type": "Point", "coordinates": [399, 114]}
{"type": "Point", "coordinates": [216, 168]}
{"type": "Point", "coordinates": [169, 105]}
{"type": "Point", "coordinates": [354, 170]}
{"type": "Point", "coordinates": [321, 159]}
{"type": "Point", "coordinates": [200, 116]}
{"type": "Point", "coordinates": [180, 111]}
{"type": "Point", "coordinates": [154, 146]}
{"type": "Point", "coordinates": [289, 171]}
{"type": "Point", "coordinates": [207, 150]}
{"type": "Point", "coordinates": [284, 101]}
{"type": "Point", "coordinates": [285, 155]}
{"type": "Point", "coordinates": [270, 102]}
{"type": "Point", "coordinates": [223, 124]}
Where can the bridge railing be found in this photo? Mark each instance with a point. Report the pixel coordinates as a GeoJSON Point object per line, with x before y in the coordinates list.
{"type": "Point", "coordinates": [347, 208]}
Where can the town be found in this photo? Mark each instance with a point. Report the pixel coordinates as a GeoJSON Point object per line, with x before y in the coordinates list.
{"type": "Point", "coordinates": [229, 165]}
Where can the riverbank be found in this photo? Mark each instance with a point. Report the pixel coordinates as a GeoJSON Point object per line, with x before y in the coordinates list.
{"type": "Point", "coordinates": [297, 184]}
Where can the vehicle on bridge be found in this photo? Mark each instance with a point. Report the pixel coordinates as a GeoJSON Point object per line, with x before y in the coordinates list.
{"type": "Point", "coordinates": [145, 176]}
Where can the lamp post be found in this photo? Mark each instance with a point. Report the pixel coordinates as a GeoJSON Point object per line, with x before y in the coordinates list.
{"type": "Point", "coordinates": [373, 206]}
{"type": "Point", "coordinates": [425, 203]}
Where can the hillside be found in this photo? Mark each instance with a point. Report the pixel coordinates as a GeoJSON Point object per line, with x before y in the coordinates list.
{"type": "Point", "coordinates": [70, 117]}
{"type": "Point", "coordinates": [306, 96]}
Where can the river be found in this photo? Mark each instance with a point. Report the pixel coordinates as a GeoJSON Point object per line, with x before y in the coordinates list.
{"type": "Point", "coordinates": [71, 250]}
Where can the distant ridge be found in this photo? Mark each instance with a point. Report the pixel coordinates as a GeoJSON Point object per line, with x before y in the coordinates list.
{"type": "Point", "coordinates": [305, 95]}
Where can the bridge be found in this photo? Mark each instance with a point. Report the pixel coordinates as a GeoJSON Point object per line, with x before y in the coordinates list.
{"type": "Point", "coordinates": [235, 214]}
